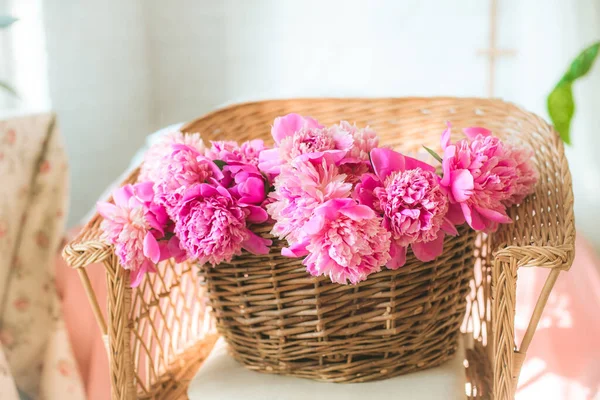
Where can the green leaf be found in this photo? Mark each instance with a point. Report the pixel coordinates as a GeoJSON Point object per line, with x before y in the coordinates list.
{"type": "Point", "coordinates": [220, 164]}
{"type": "Point", "coordinates": [6, 21]}
{"type": "Point", "coordinates": [560, 103]}
{"type": "Point", "coordinates": [433, 153]}
{"type": "Point", "coordinates": [582, 64]}
{"type": "Point", "coordinates": [561, 108]}
{"type": "Point", "coordinates": [9, 89]}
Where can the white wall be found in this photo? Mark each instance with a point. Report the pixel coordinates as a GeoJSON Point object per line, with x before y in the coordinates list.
{"type": "Point", "coordinates": [205, 52]}
{"type": "Point", "coordinates": [99, 79]}
{"type": "Point", "coordinates": [119, 69]}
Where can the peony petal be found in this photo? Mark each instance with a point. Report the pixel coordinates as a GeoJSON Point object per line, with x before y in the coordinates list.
{"type": "Point", "coordinates": [413, 163]}
{"type": "Point", "coordinates": [257, 215]}
{"type": "Point", "coordinates": [462, 185]}
{"type": "Point", "coordinates": [137, 275]}
{"type": "Point", "coordinates": [122, 195]}
{"type": "Point", "coordinates": [496, 216]}
{"type": "Point", "coordinates": [144, 191]}
{"type": "Point", "coordinates": [269, 161]}
{"type": "Point", "coordinates": [472, 217]}
{"type": "Point", "coordinates": [331, 156]}
{"type": "Point", "coordinates": [295, 250]}
{"type": "Point", "coordinates": [455, 214]}
{"type": "Point", "coordinates": [106, 210]}
{"type": "Point", "coordinates": [256, 245]}
{"type": "Point", "coordinates": [154, 224]}
{"type": "Point", "coordinates": [386, 161]}
{"type": "Point", "coordinates": [151, 248]}
{"type": "Point", "coordinates": [445, 141]}
{"type": "Point", "coordinates": [448, 227]}
{"type": "Point", "coordinates": [363, 191]}
{"type": "Point", "coordinates": [252, 190]}
{"type": "Point", "coordinates": [314, 225]}
{"type": "Point", "coordinates": [473, 131]}
{"type": "Point", "coordinates": [429, 251]}
{"type": "Point", "coordinates": [358, 212]}
{"type": "Point", "coordinates": [289, 124]}
{"type": "Point", "coordinates": [176, 251]}
{"type": "Point", "coordinates": [398, 256]}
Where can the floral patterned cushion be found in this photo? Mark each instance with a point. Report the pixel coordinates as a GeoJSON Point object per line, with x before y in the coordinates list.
{"type": "Point", "coordinates": [33, 200]}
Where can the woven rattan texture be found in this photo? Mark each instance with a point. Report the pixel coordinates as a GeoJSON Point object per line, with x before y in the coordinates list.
{"type": "Point", "coordinates": [542, 236]}
{"type": "Point", "coordinates": [279, 319]}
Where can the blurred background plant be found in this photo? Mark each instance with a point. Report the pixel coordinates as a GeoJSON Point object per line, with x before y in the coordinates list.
{"type": "Point", "coordinates": [5, 22]}
{"type": "Point", "coordinates": [561, 105]}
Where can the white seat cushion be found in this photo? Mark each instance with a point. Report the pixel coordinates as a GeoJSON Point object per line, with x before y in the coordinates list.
{"type": "Point", "coordinates": [223, 378]}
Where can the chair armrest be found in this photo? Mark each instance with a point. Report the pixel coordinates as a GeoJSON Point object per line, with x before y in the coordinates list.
{"type": "Point", "coordinates": [542, 235]}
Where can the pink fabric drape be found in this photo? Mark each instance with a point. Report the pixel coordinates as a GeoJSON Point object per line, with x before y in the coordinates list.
{"type": "Point", "coordinates": [563, 361]}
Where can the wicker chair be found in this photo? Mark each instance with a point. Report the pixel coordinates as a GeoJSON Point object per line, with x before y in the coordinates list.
{"type": "Point", "coordinates": [159, 333]}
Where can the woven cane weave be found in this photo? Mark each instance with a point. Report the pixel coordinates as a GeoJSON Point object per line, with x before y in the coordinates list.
{"type": "Point", "coordinates": [149, 361]}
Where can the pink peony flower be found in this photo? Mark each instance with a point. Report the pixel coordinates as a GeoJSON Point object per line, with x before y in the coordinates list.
{"type": "Point", "coordinates": [413, 205]}
{"type": "Point", "coordinates": [211, 225]}
{"type": "Point", "coordinates": [137, 228]}
{"type": "Point", "coordinates": [345, 241]}
{"type": "Point", "coordinates": [297, 136]}
{"type": "Point", "coordinates": [153, 157]}
{"type": "Point", "coordinates": [182, 168]}
{"type": "Point", "coordinates": [527, 175]}
{"type": "Point", "coordinates": [248, 186]}
{"type": "Point", "coordinates": [291, 123]}
{"type": "Point", "coordinates": [482, 175]}
{"type": "Point", "coordinates": [300, 188]}
{"type": "Point", "coordinates": [231, 152]}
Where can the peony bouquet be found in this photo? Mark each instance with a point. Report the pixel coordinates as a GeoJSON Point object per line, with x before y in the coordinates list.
{"type": "Point", "coordinates": [341, 202]}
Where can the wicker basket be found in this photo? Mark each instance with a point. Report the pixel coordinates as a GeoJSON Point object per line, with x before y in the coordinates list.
{"type": "Point", "coordinates": [277, 318]}
{"type": "Point", "coordinates": [158, 334]}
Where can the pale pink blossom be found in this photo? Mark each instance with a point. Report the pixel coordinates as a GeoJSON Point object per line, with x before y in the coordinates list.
{"type": "Point", "coordinates": [297, 136]}
{"type": "Point", "coordinates": [482, 175]}
{"type": "Point", "coordinates": [231, 152]}
{"type": "Point", "coordinates": [527, 174]}
{"type": "Point", "coordinates": [137, 228]}
{"type": "Point", "coordinates": [212, 226]}
{"type": "Point", "coordinates": [180, 169]}
{"type": "Point", "coordinates": [345, 241]}
{"type": "Point", "coordinates": [301, 187]}
{"type": "Point", "coordinates": [153, 157]}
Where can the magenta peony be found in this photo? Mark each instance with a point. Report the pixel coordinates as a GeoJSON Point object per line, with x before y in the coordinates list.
{"type": "Point", "coordinates": [412, 202]}
{"type": "Point", "coordinates": [137, 228]}
{"type": "Point", "coordinates": [212, 226]}
{"type": "Point", "coordinates": [153, 157]}
{"type": "Point", "coordinates": [182, 168]}
{"type": "Point", "coordinates": [346, 242]}
{"type": "Point", "coordinates": [300, 188]}
{"type": "Point", "coordinates": [483, 175]}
